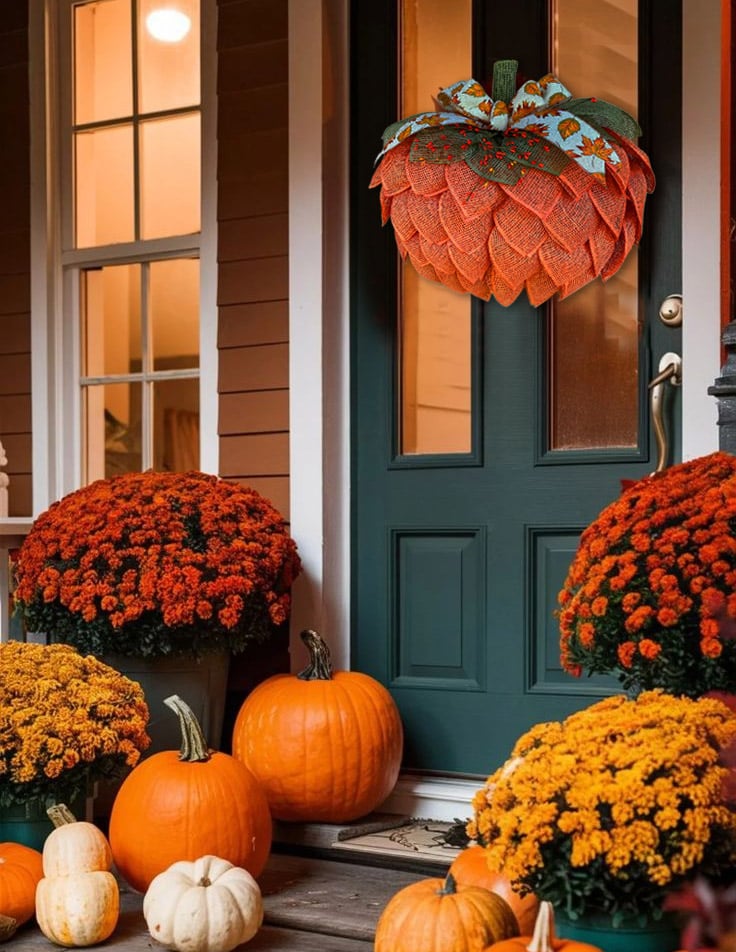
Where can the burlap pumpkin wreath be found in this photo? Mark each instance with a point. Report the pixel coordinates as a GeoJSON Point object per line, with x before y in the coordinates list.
{"type": "Point", "coordinates": [529, 190]}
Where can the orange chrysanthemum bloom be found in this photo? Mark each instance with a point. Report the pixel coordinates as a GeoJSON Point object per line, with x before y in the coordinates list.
{"type": "Point", "coordinates": [663, 558]}
{"type": "Point", "coordinates": [153, 563]}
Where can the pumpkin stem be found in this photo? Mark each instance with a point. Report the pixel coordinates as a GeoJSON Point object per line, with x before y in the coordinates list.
{"type": "Point", "coordinates": [193, 744]}
{"type": "Point", "coordinates": [320, 666]}
{"type": "Point", "coordinates": [449, 887]}
{"type": "Point", "coordinates": [543, 938]}
{"type": "Point", "coordinates": [504, 80]}
{"type": "Point", "coordinates": [60, 814]}
{"type": "Point", "coordinates": [8, 925]}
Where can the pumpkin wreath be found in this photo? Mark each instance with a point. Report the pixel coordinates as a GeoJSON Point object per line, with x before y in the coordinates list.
{"type": "Point", "coordinates": [525, 190]}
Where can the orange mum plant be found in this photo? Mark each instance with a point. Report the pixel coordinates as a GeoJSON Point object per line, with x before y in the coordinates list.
{"type": "Point", "coordinates": [611, 809]}
{"type": "Point", "coordinates": [151, 564]}
{"type": "Point", "coordinates": [650, 596]}
{"type": "Point", "coordinates": [528, 190]}
{"type": "Point", "coordinates": [65, 722]}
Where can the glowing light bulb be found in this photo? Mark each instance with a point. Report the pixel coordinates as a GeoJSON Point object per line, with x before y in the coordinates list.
{"type": "Point", "coordinates": [168, 25]}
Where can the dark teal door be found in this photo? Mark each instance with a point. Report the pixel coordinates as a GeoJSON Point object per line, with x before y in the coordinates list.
{"type": "Point", "coordinates": [459, 550]}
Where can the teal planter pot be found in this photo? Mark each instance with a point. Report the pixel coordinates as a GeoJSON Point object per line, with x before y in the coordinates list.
{"type": "Point", "coordinates": [662, 935]}
{"type": "Point", "coordinates": [27, 823]}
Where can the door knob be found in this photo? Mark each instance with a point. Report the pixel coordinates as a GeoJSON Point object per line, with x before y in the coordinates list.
{"type": "Point", "coordinates": [670, 372]}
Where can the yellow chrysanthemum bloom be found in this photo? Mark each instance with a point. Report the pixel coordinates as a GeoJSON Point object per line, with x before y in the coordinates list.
{"type": "Point", "coordinates": [611, 808]}
{"type": "Point", "coordinates": [65, 721]}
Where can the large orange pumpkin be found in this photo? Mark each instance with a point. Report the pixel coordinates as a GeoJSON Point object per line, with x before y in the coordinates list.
{"type": "Point", "coordinates": [470, 868]}
{"type": "Point", "coordinates": [543, 939]}
{"type": "Point", "coordinates": [325, 746]}
{"type": "Point", "coordinates": [534, 192]}
{"type": "Point", "coordinates": [180, 805]}
{"type": "Point", "coordinates": [21, 869]}
{"type": "Point", "coordinates": [436, 915]}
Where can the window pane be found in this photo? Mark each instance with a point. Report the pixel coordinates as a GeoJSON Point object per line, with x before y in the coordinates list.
{"type": "Point", "coordinates": [103, 62]}
{"type": "Point", "coordinates": [176, 425]}
{"type": "Point", "coordinates": [175, 313]}
{"type": "Point", "coordinates": [595, 332]}
{"type": "Point", "coordinates": [113, 429]}
{"type": "Point", "coordinates": [170, 176]}
{"type": "Point", "coordinates": [111, 321]}
{"type": "Point", "coordinates": [435, 340]}
{"type": "Point", "coordinates": [168, 70]}
{"type": "Point", "coordinates": [104, 186]}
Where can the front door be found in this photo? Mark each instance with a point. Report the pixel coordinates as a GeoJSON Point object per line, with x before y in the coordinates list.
{"type": "Point", "coordinates": [487, 437]}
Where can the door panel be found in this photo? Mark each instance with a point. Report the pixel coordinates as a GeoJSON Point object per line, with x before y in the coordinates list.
{"type": "Point", "coordinates": [459, 551]}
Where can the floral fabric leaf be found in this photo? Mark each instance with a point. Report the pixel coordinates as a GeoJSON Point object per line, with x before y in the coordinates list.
{"type": "Point", "coordinates": [575, 136]}
{"type": "Point", "coordinates": [603, 115]}
{"type": "Point", "coordinates": [399, 132]}
{"type": "Point", "coordinates": [450, 145]}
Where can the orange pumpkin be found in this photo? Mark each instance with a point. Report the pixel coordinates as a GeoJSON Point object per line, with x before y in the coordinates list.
{"type": "Point", "coordinates": [180, 805]}
{"type": "Point", "coordinates": [543, 939]}
{"type": "Point", "coordinates": [325, 746]}
{"type": "Point", "coordinates": [436, 915]}
{"type": "Point", "coordinates": [21, 869]}
{"type": "Point", "coordinates": [470, 868]}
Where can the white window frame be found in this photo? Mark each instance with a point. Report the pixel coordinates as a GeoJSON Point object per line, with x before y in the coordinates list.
{"type": "Point", "coordinates": [55, 315]}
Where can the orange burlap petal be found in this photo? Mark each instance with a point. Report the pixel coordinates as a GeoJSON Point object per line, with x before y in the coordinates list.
{"type": "Point", "coordinates": [571, 221]}
{"type": "Point", "coordinates": [467, 234]}
{"type": "Point", "coordinates": [508, 262]}
{"type": "Point", "coordinates": [537, 191]}
{"type": "Point", "coordinates": [471, 266]}
{"type": "Point", "coordinates": [540, 287]}
{"type": "Point", "coordinates": [400, 217]}
{"type": "Point", "coordinates": [426, 178]}
{"type": "Point", "coordinates": [637, 157]}
{"type": "Point", "coordinates": [425, 213]}
{"type": "Point", "coordinates": [610, 203]}
{"type": "Point", "coordinates": [564, 265]}
{"type": "Point", "coordinates": [575, 180]}
{"type": "Point", "coordinates": [438, 254]}
{"type": "Point", "coordinates": [503, 292]}
{"type": "Point", "coordinates": [474, 195]}
{"type": "Point", "coordinates": [638, 196]}
{"type": "Point", "coordinates": [391, 173]}
{"type": "Point", "coordinates": [601, 245]}
{"type": "Point", "coordinates": [524, 232]}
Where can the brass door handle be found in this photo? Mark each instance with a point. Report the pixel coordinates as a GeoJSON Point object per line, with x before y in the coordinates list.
{"type": "Point", "coordinates": [670, 371]}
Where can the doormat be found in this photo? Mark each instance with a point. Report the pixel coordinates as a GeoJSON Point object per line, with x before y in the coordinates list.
{"type": "Point", "coordinates": [418, 839]}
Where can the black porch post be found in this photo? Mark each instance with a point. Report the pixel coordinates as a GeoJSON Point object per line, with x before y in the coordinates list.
{"type": "Point", "coordinates": [724, 390]}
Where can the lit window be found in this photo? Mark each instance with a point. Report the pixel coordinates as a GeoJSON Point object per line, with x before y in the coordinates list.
{"type": "Point", "coordinates": [135, 160]}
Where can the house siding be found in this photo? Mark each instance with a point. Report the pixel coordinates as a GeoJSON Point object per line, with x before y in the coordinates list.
{"type": "Point", "coordinates": [252, 120]}
{"type": "Point", "coordinates": [15, 255]}
{"type": "Point", "coordinates": [252, 278]}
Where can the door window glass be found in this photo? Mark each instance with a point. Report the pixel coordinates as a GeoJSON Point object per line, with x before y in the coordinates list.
{"type": "Point", "coordinates": [594, 334]}
{"type": "Point", "coordinates": [435, 322]}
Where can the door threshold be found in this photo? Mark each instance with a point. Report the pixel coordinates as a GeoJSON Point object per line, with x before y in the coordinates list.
{"type": "Point", "coordinates": [389, 840]}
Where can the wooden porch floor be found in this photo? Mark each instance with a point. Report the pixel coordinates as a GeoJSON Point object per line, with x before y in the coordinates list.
{"type": "Point", "coordinates": [315, 900]}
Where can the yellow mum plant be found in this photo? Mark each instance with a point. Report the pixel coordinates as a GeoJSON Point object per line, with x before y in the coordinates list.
{"type": "Point", "coordinates": [65, 721]}
{"type": "Point", "coordinates": [611, 809]}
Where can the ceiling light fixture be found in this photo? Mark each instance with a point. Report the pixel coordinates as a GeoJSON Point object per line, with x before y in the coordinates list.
{"type": "Point", "coordinates": [168, 24]}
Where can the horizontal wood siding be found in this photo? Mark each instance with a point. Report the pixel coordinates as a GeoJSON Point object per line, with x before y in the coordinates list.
{"type": "Point", "coordinates": [252, 118]}
{"type": "Point", "coordinates": [253, 276]}
{"type": "Point", "coordinates": [15, 255]}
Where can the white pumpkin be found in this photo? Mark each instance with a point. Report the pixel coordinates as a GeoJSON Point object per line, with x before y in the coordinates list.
{"type": "Point", "coordinates": [207, 905]}
{"type": "Point", "coordinates": [78, 910]}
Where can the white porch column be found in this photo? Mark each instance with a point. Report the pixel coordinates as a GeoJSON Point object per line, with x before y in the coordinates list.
{"type": "Point", "coordinates": [318, 322]}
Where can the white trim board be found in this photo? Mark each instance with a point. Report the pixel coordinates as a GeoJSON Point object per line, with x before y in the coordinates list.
{"type": "Point", "coordinates": [432, 798]}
